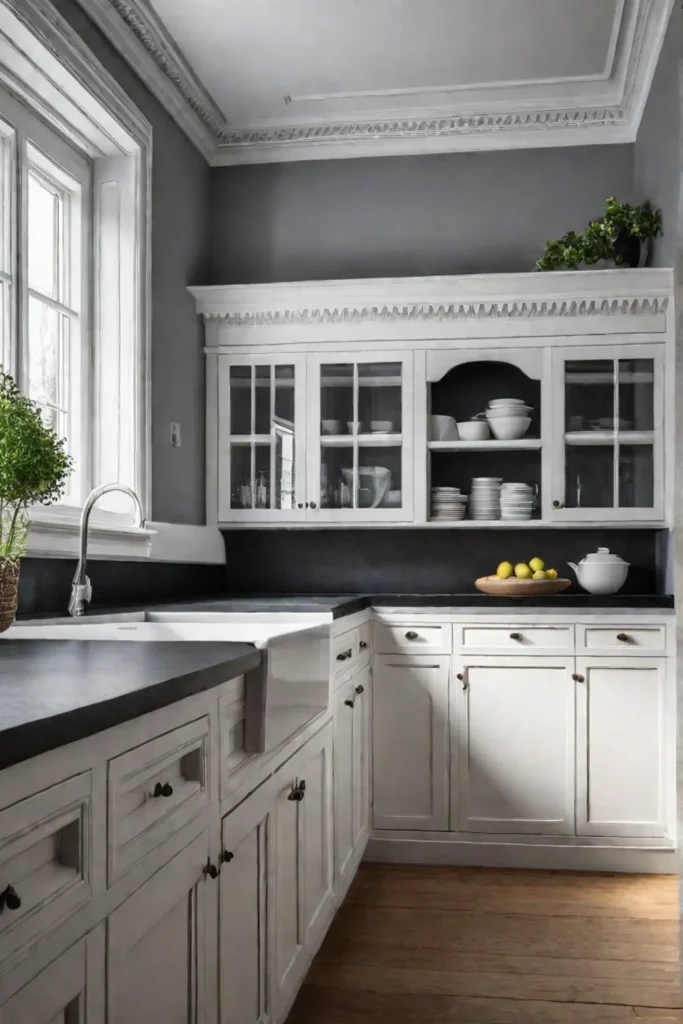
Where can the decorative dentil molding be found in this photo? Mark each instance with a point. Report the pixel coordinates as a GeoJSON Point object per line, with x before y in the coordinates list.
{"type": "Point", "coordinates": [143, 40]}
{"type": "Point", "coordinates": [429, 312]}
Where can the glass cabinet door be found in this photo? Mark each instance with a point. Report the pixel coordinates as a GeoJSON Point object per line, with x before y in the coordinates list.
{"type": "Point", "coordinates": [361, 415]}
{"type": "Point", "coordinates": [261, 439]}
{"type": "Point", "coordinates": [610, 464]}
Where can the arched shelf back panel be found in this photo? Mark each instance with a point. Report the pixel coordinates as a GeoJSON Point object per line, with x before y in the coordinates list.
{"type": "Point", "coordinates": [529, 361]}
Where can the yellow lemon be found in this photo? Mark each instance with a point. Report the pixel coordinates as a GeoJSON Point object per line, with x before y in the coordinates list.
{"type": "Point", "coordinates": [551, 574]}
{"type": "Point", "coordinates": [522, 571]}
{"type": "Point", "coordinates": [537, 564]}
{"type": "Point", "coordinates": [540, 575]}
{"type": "Point", "coordinates": [504, 570]}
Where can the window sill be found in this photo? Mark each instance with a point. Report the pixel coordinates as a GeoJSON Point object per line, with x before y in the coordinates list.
{"type": "Point", "coordinates": [55, 533]}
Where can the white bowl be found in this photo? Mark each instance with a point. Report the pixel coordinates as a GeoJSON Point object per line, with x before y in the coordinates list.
{"type": "Point", "coordinates": [443, 428]}
{"type": "Point", "coordinates": [473, 430]}
{"type": "Point", "coordinates": [499, 403]}
{"type": "Point", "coordinates": [510, 428]}
{"type": "Point", "coordinates": [354, 428]}
{"type": "Point", "coordinates": [331, 426]}
{"type": "Point", "coordinates": [516, 410]}
{"type": "Point", "coordinates": [381, 426]}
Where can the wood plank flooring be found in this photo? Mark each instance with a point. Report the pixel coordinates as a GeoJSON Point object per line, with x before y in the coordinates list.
{"type": "Point", "coordinates": [477, 946]}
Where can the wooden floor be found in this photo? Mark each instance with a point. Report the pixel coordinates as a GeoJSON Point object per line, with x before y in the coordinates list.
{"type": "Point", "coordinates": [476, 946]}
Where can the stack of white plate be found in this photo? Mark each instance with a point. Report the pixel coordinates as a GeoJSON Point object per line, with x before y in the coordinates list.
{"type": "Point", "coordinates": [517, 501]}
{"type": "Point", "coordinates": [448, 503]}
{"type": "Point", "coordinates": [485, 497]}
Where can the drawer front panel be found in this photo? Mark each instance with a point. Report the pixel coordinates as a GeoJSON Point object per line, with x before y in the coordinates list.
{"type": "Point", "coordinates": [412, 639]}
{"type": "Point", "coordinates": [45, 862]}
{"type": "Point", "coordinates": [518, 639]}
{"type": "Point", "coordinates": [623, 640]}
{"type": "Point", "coordinates": [234, 755]}
{"type": "Point", "coordinates": [155, 790]}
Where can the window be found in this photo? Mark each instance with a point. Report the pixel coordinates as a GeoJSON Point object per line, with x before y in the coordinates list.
{"type": "Point", "coordinates": [75, 242]}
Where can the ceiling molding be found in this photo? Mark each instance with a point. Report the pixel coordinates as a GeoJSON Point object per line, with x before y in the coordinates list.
{"type": "Point", "coordinates": [600, 111]}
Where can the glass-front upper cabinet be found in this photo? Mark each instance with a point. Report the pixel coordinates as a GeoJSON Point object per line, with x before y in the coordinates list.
{"type": "Point", "coordinates": [261, 439]}
{"type": "Point", "coordinates": [360, 438]}
{"type": "Point", "coordinates": [609, 425]}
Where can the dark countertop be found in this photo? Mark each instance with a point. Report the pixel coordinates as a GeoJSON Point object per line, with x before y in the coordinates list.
{"type": "Point", "coordinates": [54, 692]}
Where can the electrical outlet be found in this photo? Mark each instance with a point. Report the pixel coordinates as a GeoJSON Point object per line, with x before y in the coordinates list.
{"type": "Point", "coordinates": [176, 440]}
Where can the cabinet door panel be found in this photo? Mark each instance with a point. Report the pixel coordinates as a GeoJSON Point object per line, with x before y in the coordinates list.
{"type": "Point", "coordinates": [287, 949]}
{"type": "Point", "coordinates": [244, 911]}
{"type": "Point", "coordinates": [361, 759]}
{"type": "Point", "coordinates": [156, 955]}
{"type": "Point", "coordinates": [515, 745]}
{"type": "Point", "coordinates": [318, 835]}
{"type": "Point", "coordinates": [344, 763]}
{"type": "Point", "coordinates": [621, 747]}
{"type": "Point", "coordinates": [410, 742]}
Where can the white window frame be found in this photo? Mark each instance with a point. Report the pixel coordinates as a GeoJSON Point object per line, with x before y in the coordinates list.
{"type": "Point", "coordinates": [74, 95]}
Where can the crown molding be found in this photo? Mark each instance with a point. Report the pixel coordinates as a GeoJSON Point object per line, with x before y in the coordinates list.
{"type": "Point", "coordinates": [611, 115]}
{"type": "Point", "coordinates": [611, 293]}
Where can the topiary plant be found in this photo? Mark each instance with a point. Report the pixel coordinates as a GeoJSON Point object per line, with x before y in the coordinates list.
{"type": "Point", "coordinates": [34, 468]}
{"type": "Point", "coordinates": [616, 237]}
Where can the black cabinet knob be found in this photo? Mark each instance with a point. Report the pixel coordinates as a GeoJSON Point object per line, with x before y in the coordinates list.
{"type": "Point", "coordinates": [578, 678]}
{"type": "Point", "coordinates": [227, 856]}
{"type": "Point", "coordinates": [624, 637]}
{"type": "Point", "coordinates": [360, 689]}
{"type": "Point", "coordinates": [300, 505]}
{"type": "Point", "coordinates": [558, 504]}
{"type": "Point", "coordinates": [363, 644]}
{"type": "Point", "coordinates": [210, 870]}
{"type": "Point", "coordinates": [298, 789]}
{"type": "Point", "coordinates": [516, 636]}
{"type": "Point", "coordinates": [412, 635]}
{"type": "Point", "coordinates": [313, 505]}
{"type": "Point", "coordinates": [165, 790]}
{"type": "Point", "coordinates": [349, 703]}
{"type": "Point", "coordinates": [341, 657]}
{"type": "Point", "coordinates": [460, 676]}
{"type": "Point", "coordinates": [10, 898]}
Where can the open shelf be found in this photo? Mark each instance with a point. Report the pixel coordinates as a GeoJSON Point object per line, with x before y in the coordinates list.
{"type": "Point", "coordinates": [363, 440]}
{"type": "Point", "coordinates": [523, 444]}
{"type": "Point", "coordinates": [595, 438]}
{"type": "Point", "coordinates": [478, 524]}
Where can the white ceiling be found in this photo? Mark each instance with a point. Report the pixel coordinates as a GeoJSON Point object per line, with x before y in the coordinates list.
{"type": "Point", "coordinates": [301, 79]}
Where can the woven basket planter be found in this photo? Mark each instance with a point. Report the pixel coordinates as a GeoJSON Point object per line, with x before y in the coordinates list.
{"type": "Point", "coordinates": [9, 592]}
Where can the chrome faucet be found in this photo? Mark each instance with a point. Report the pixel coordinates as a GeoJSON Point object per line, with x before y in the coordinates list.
{"type": "Point", "coordinates": [81, 588]}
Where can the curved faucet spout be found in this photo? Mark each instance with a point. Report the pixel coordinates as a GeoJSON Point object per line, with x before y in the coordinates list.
{"type": "Point", "coordinates": [81, 588]}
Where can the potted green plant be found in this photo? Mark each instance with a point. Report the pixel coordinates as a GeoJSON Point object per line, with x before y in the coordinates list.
{"type": "Point", "coordinates": [620, 238]}
{"type": "Point", "coordinates": [34, 468]}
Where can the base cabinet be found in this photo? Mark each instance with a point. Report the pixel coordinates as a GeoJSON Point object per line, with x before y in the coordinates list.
{"type": "Point", "coordinates": [157, 951]}
{"type": "Point", "coordinates": [621, 723]}
{"type": "Point", "coordinates": [362, 759]}
{"type": "Point", "coordinates": [410, 742]}
{"type": "Point", "coordinates": [514, 740]}
{"type": "Point", "coordinates": [243, 911]}
{"type": "Point", "coordinates": [352, 765]}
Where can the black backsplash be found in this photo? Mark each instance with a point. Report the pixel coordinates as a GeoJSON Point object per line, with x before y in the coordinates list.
{"type": "Point", "coordinates": [45, 583]}
{"type": "Point", "coordinates": [417, 561]}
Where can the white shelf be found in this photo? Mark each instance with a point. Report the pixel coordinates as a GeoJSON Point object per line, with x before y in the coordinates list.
{"type": "Point", "coordinates": [594, 438]}
{"type": "Point", "coordinates": [524, 444]}
{"type": "Point", "coordinates": [239, 440]}
{"type": "Point", "coordinates": [364, 440]}
{"type": "Point", "coordinates": [639, 377]}
{"type": "Point", "coordinates": [477, 524]}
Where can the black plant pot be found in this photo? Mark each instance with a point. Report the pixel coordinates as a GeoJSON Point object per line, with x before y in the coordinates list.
{"type": "Point", "coordinates": [632, 250]}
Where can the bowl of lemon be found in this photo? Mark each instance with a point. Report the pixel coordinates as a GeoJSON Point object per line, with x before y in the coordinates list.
{"type": "Point", "coordinates": [525, 579]}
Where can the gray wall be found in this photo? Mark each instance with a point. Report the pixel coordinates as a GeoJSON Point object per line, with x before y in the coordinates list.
{"type": "Point", "coordinates": [180, 219]}
{"type": "Point", "coordinates": [445, 214]}
{"type": "Point", "coordinates": [657, 150]}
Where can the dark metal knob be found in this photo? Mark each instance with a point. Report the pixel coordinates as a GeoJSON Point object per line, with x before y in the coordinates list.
{"type": "Point", "coordinates": [297, 792]}
{"type": "Point", "coordinates": [460, 676]}
{"type": "Point", "coordinates": [165, 790]}
{"type": "Point", "coordinates": [363, 644]}
{"type": "Point", "coordinates": [349, 703]}
{"type": "Point", "coordinates": [300, 505]}
{"type": "Point", "coordinates": [313, 505]}
{"type": "Point", "coordinates": [342, 657]}
{"type": "Point", "coordinates": [227, 856]}
{"type": "Point", "coordinates": [10, 898]}
{"type": "Point", "coordinates": [624, 637]}
{"type": "Point", "coordinates": [302, 786]}
{"type": "Point", "coordinates": [516, 636]}
{"type": "Point", "coordinates": [558, 504]}
{"type": "Point", "coordinates": [360, 689]}
{"type": "Point", "coordinates": [211, 870]}
{"type": "Point", "coordinates": [578, 678]}
{"type": "Point", "coordinates": [412, 635]}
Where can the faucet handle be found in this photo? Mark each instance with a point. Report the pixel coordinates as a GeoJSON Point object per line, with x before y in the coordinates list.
{"type": "Point", "coordinates": [81, 594]}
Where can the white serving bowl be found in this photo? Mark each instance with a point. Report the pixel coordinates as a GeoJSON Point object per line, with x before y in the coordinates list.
{"type": "Point", "coordinates": [510, 428]}
{"type": "Point", "coordinates": [512, 410]}
{"type": "Point", "coordinates": [473, 430]}
{"type": "Point", "coordinates": [499, 403]}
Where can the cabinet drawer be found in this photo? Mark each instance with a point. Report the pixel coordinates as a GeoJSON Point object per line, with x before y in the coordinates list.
{"type": "Point", "coordinates": [641, 639]}
{"type": "Point", "coordinates": [412, 639]}
{"type": "Point", "coordinates": [155, 790]}
{"type": "Point", "coordinates": [364, 643]}
{"type": "Point", "coordinates": [232, 716]}
{"type": "Point", "coordinates": [518, 639]}
{"type": "Point", "coordinates": [344, 653]}
{"type": "Point", "coordinates": [45, 857]}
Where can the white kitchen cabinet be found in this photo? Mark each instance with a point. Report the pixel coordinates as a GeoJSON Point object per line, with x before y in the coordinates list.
{"type": "Point", "coordinates": [244, 910]}
{"type": "Point", "coordinates": [70, 991]}
{"type": "Point", "coordinates": [621, 746]}
{"type": "Point", "coordinates": [513, 756]}
{"type": "Point", "coordinates": [158, 956]}
{"type": "Point", "coordinates": [410, 742]}
{"type": "Point", "coordinates": [260, 432]}
{"type": "Point", "coordinates": [607, 433]}
{"type": "Point", "coordinates": [362, 758]}
{"type": "Point", "coordinates": [352, 764]}
{"type": "Point", "coordinates": [318, 834]}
